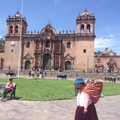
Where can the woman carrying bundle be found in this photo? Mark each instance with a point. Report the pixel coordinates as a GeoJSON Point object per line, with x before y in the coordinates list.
{"type": "Point", "coordinates": [86, 98]}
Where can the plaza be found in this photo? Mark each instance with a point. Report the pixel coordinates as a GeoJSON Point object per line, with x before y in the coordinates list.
{"type": "Point", "coordinates": [107, 109]}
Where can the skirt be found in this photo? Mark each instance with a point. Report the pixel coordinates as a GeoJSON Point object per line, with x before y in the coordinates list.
{"type": "Point", "coordinates": [90, 115]}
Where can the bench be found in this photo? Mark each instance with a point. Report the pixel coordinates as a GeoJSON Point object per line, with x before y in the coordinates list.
{"type": "Point", "coordinates": [2, 88]}
{"type": "Point", "coordinates": [11, 74]}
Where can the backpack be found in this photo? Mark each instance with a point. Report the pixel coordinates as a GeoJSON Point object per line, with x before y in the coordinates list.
{"type": "Point", "coordinates": [94, 90]}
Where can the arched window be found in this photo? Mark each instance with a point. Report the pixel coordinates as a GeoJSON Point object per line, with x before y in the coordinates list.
{"type": "Point", "coordinates": [111, 60]}
{"type": "Point", "coordinates": [16, 29]}
{"type": "Point", "coordinates": [98, 60]}
{"type": "Point", "coordinates": [48, 43]}
{"type": "Point", "coordinates": [68, 45]}
{"type": "Point", "coordinates": [88, 28]}
{"type": "Point", "coordinates": [28, 45]}
{"type": "Point", "coordinates": [11, 29]}
{"type": "Point", "coordinates": [82, 28]}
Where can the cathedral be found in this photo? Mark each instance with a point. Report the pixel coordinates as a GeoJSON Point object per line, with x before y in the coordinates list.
{"type": "Point", "coordinates": [51, 50]}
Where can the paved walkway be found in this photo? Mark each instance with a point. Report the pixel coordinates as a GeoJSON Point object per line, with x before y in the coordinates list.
{"type": "Point", "coordinates": [108, 108]}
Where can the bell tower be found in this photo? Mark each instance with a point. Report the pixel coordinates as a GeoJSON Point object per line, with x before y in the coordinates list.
{"type": "Point", "coordinates": [12, 40]}
{"type": "Point", "coordinates": [14, 25]}
{"type": "Point", "coordinates": [85, 23]}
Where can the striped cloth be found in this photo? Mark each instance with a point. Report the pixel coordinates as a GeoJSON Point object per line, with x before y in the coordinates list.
{"type": "Point", "coordinates": [94, 91]}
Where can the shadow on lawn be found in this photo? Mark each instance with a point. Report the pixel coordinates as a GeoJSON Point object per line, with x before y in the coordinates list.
{"type": "Point", "coordinates": [9, 98]}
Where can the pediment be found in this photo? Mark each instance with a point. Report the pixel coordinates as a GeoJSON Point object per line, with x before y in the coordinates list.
{"type": "Point", "coordinates": [111, 63]}
{"type": "Point", "coordinates": [68, 57]}
{"type": "Point", "coordinates": [48, 32]}
{"type": "Point", "coordinates": [28, 56]}
{"type": "Point", "coordinates": [99, 65]}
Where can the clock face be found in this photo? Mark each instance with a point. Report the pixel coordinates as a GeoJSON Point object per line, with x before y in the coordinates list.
{"type": "Point", "coordinates": [12, 43]}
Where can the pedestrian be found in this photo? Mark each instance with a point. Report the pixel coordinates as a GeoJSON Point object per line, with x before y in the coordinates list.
{"type": "Point", "coordinates": [32, 73]}
{"type": "Point", "coordinates": [45, 73]}
{"type": "Point", "coordinates": [70, 75]}
{"type": "Point", "coordinates": [51, 74]}
{"type": "Point", "coordinates": [118, 77]}
{"type": "Point", "coordinates": [76, 74]}
{"type": "Point", "coordinates": [8, 88]}
{"type": "Point", "coordinates": [29, 74]}
{"type": "Point", "coordinates": [85, 107]}
{"type": "Point", "coordinates": [9, 68]}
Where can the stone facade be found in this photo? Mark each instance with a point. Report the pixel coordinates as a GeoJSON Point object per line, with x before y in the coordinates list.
{"type": "Point", "coordinates": [107, 61]}
{"type": "Point", "coordinates": [47, 49]}
{"type": "Point", "coordinates": [2, 47]}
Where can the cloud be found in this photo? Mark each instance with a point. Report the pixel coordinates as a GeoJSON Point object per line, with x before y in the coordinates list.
{"type": "Point", "coordinates": [102, 43]}
{"type": "Point", "coordinates": [111, 35]}
{"type": "Point", "coordinates": [58, 1]}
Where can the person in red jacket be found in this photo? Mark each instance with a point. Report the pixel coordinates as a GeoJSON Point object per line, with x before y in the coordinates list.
{"type": "Point", "coordinates": [8, 88]}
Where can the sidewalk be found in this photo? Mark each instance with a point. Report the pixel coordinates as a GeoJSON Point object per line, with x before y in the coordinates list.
{"type": "Point", "coordinates": [108, 108]}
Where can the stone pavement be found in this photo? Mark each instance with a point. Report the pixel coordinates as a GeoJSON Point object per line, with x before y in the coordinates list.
{"type": "Point", "coordinates": [108, 108]}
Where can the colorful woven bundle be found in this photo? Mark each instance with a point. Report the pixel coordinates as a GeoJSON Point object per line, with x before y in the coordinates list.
{"type": "Point", "coordinates": [94, 90]}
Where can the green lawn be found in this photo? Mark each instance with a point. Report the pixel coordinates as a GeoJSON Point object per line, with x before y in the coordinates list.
{"type": "Point", "coordinates": [47, 89]}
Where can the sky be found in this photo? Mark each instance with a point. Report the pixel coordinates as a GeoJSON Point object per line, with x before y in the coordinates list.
{"type": "Point", "coordinates": [62, 15]}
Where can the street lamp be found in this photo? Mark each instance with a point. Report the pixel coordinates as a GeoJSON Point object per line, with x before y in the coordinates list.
{"type": "Point", "coordinates": [20, 43]}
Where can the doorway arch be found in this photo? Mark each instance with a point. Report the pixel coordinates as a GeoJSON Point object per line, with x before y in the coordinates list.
{"type": "Point", "coordinates": [67, 65]}
{"type": "Point", "coordinates": [27, 65]}
{"type": "Point", "coordinates": [46, 62]}
{"type": "Point", "coordinates": [111, 68]}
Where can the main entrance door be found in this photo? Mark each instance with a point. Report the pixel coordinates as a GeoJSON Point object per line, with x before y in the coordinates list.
{"type": "Point", "coordinates": [46, 62]}
{"type": "Point", "coordinates": [111, 68]}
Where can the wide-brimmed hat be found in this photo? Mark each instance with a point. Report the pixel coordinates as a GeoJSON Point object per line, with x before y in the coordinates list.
{"type": "Point", "coordinates": [79, 80]}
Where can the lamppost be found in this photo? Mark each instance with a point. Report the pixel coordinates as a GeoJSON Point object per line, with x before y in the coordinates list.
{"type": "Point", "coordinates": [20, 43]}
{"type": "Point", "coordinates": [42, 62]}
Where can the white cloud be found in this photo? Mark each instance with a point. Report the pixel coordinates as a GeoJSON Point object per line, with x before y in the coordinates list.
{"type": "Point", "coordinates": [0, 37]}
{"type": "Point", "coordinates": [111, 35]}
{"type": "Point", "coordinates": [103, 43]}
{"type": "Point", "coordinates": [58, 1]}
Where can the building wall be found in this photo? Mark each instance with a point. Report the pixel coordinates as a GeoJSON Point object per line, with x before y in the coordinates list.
{"type": "Point", "coordinates": [107, 61]}
{"type": "Point", "coordinates": [80, 54]}
{"type": "Point", "coordinates": [11, 54]}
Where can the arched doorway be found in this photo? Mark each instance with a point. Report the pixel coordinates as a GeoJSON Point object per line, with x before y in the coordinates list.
{"type": "Point", "coordinates": [111, 68]}
{"type": "Point", "coordinates": [27, 65]}
{"type": "Point", "coordinates": [67, 65]}
{"type": "Point", "coordinates": [46, 62]}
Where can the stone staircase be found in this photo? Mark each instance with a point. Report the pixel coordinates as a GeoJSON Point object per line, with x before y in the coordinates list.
{"type": "Point", "coordinates": [74, 74]}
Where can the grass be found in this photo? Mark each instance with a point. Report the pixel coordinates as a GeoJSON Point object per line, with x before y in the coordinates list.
{"type": "Point", "coordinates": [43, 89]}
{"type": "Point", "coordinates": [110, 88]}
{"type": "Point", "coordinates": [46, 89]}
